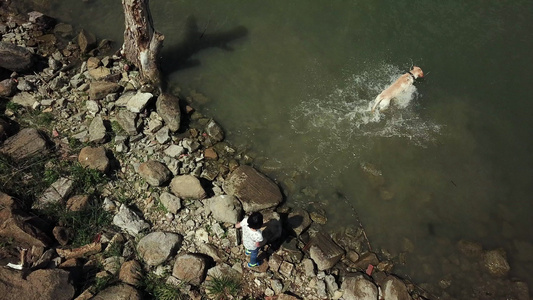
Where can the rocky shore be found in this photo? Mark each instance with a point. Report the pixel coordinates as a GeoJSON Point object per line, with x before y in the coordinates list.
{"type": "Point", "coordinates": [113, 190]}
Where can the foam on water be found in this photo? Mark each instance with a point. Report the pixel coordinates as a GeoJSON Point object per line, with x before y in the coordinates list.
{"type": "Point", "coordinates": [343, 118]}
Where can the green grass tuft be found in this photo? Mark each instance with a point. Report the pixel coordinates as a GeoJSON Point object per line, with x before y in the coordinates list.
{"type": "Point", "coordinates": [158, 289]}
{"type": "Point", "coordinates": [223, 287]}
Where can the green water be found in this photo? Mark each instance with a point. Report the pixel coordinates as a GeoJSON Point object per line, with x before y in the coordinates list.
{"type": "Point", "coordinates": [291, 81]}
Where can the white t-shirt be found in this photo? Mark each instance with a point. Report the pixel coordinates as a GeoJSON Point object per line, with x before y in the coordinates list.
{"type": "Point", "coordinates": [250, 236]}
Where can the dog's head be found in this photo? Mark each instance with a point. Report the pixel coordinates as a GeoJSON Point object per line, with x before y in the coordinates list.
{"type": "Point", "coordinates": [417, 72]}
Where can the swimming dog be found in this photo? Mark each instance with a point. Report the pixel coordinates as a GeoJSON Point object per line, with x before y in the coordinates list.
{"type": "Point", "coordinates": [383, 100]}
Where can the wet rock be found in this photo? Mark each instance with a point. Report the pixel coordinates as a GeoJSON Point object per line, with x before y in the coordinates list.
{"type": "Point", "coordinates": [373, 174]}
{"type": "Point", "coordinates": [187, 187]}
{"type": "Point", "coordinates": [170, 202]}
{"type": "Point", "coordinates": [210, 153]}
{"type": "Point", "coordinates": [131, 273]}
{"type": "Point", "coordinates": [253, 189]}
{"type": "Point", "coordinates": [168, 108]}
{"type": "Point", "coordinates": [42, 21]}
{"type": "Point", "coordinates": [24, 99]}
{"type": "Point", "coordinates": [56, 193]}
{"type": "Point", "coordinates": [97, 130]}
{"type": "Point", "coordinates": [324, 251]}
{"type": "Point", "coordinates": [40, 284]}
{"type": "Point", "coordinates": [78, 202]}
{"type": "Point", "coordinates": [86, 41]}
{"type": "Point", "coordinates": [225, 208]}
{"type": "Point", "coordinates": [100, 89]}
{"type": "Point", "coordinates": [359, 288]}
{"type": "Point", "coordinates": [129, 221]}
{"type": "Point", "coordinates": [190, 268]}
{"type": "Point", "coordinates": [214, 132]}
{"type": "Point", "coordinates": [15, 58]}
{"type": "Point", "coordinates": [119, 292]}
{"type": "Point", "coordinates": [138, 102]}
{"type": "Point", "coordinates": [94, 158]}
{"type": "Point", "coordinates": [394, 288]}
{"type": "Point", "coordinates": [495, 261]}
{"type": "Point", "coordinates": [8, 87]}
{"type": "Point", "coordinates": [154, 172]}
{"type": "Point", "coordinates": [298, 221]}
{"type": "Point", "coordinates": [156, 247]}
{"type": "Point", "coordinates": [27, 143]}
{"type": "Point", "coordinates": [470, 248]}
{"type": "Point", "coordinates": [368, 258]}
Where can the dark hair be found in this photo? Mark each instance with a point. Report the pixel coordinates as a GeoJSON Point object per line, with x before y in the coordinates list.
{"type": "Point", "coordinates": [255, 220]}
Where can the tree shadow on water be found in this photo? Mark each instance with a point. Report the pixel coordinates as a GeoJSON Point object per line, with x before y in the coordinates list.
{"type": "Point", "coordinates": [177, 57]}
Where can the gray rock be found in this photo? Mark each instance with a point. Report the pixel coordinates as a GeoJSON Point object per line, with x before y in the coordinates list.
{"type": "Point", "coordinates": [118, 292]}
{"type": "Point", "coordinates": [187, 187]}
{"type": "Point", "coordinates": [324, 251]}
{"type": "Point", "coordinates": [225, 208]}
{"type": "Point", "coordinates": [94, 158]}
{"type": "Point", "coordinates": [56, 193]}
{"type": "Point", "coordinates": [97, 130]}
{"type": "Point", "coordinates": [129, 221]}
{"type": "Point", "coordinates": [100, 89]}
{"type": "Point", "coordinates": [92, 106]}
{"type": "Point", "coordinates": [394, 288]}
{"type": "Point", "coordinates": [24, 85]}
{"type": "Point", "coordinates": [298, 221]}
{"type": "Point", "coordinates": [24, 99]}
{"type": "Point", "coordinates": [154, 172]}
{"type": "Point", "coordinates": [15, 58]}
{"type": "Point", "coordinates": [190, 144]}
{"type": "Point", "coordinates": [168, 108]}
{"type": "Point", "coordinates": [272, 227]}
{"type": "Point", "coordinates": [138, 102]}
{"type": "Point", "coordinates": [359, 288]}
{"type": "Point", "coordinates": [309, 267]}
{"type": "Point", "coordinates": [8, 87]}
{"type": "Point", "coordinates": [174, 151]}
{"type": "Point", "coordinates": [171, 202]}
{"type": "Point", "coordinates": [27, 143]}
{"type": "Point", "coordinates": [162, 135]}
{"type": "Point", "coordinates": [156, 247]}
{"type": "Point", "coordinates": [495, 262]}
{"type": "Point", "coordinates": [223, 270]}
{"type": "Point", "coordinates": [123, 100]}
{"type": "Point", "coordinates": [190, 268]}
{"type": "Point", "coordinates": [253, 189]}
{"type": "Point", "coordinates": [331, 284]}
{"type": "Point", "coordinates": [128, 121]}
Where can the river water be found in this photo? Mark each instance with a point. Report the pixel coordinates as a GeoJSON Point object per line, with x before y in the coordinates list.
{"type": "Point", "coordinates": [291, 81]}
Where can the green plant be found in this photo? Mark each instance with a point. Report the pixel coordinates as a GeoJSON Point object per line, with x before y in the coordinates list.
{"type": "Point", "coordinates": [86, 180]}
{"type": "Point", "coordinates": [158, 289]}
{"type": "Point", "coordinates": [101, 283]}
{"type": "Point", "coordinates": [223, 287]}
{"type": "Point", "coordinates": [13, 106]}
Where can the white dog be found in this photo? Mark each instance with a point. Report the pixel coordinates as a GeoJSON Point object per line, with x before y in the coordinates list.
{"type": "Point", "coordinates": [383, 100]}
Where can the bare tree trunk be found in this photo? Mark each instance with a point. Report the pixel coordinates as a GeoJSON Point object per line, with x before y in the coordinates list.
{"type": "Point", "coordinates": [142, 43]}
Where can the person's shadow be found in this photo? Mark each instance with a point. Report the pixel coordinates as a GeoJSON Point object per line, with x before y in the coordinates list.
{"type": "Point", "coordinates": [178, 56]}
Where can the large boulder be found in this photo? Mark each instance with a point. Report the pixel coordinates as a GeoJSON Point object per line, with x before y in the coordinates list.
{"type": "Point", "coordinates": [359, 288]}
{"type": "Point", "coordinates": [27, 143]}
{"type": "Point", "coordinates": [255, 190]}
{"type": "Point", "coordinates": [40, 284]}
{"type": "Point", "coordinates": [100, 89]}
{"type": "Point", "coordinates": [187, 187]}
{"type": "Point", "coordinates": [94, 158]}
{"type": "Point", "coordinates": [225, 208]}
{"type": "Point", "coordinates": [393, 288]}
{"type": "Point", "coordinates": [119, 292]}
{"type": "Point", "coordinates": [324, 251]}
{"type": "Point", "coordinates": [156, 247]}
{"type": "Point", "coordinates": [168, 108]}
{"type": "Point", "coordinates": [190, 268]}
{"type": "Point", "coordinates": [15, 58]}
{"type": "Point", "coordinates": [154, 172]}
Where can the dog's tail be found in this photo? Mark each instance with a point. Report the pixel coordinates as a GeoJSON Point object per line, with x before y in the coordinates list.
{"type": "Point", "coordinates": [376, 103]}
